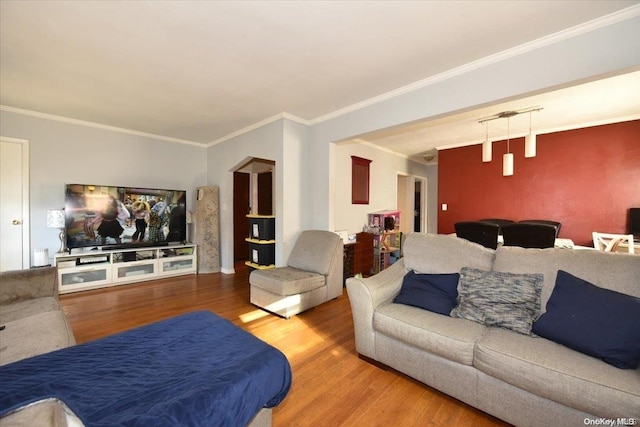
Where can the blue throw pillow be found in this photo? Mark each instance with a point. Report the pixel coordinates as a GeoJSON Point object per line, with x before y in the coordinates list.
{"type": "Point", "coordinates": [592, 320]}
{"type": "Point", "coordinates": [433, 292]}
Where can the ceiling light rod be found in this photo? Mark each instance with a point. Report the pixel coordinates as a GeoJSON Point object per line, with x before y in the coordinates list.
{"type": "Point", "coordinates": [509, 113]}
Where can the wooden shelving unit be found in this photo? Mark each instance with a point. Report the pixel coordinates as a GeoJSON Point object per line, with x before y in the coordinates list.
{"type": "Point", "coordinates": [387, 238]}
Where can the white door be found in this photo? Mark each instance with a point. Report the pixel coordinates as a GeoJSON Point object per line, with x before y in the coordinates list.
{"type": "Point", "coordinates": [14, 204]}
{"type": "Point", "coordinates": [411, 202]}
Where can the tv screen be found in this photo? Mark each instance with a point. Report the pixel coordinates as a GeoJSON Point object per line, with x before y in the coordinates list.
{"type": "Point", "coordinates": [98, 215]}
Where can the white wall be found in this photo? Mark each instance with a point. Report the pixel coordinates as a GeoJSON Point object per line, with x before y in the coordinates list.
{"type": "Point", "coordinates": [382, 179]}
{"type": "Point", "coordinates": [65, 153]}
{"type": "Point", "coordinates": [605, 51]}
{"type": "Point", "coordinates": [224, 158]}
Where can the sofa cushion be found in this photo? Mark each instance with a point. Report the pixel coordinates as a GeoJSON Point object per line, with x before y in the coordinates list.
{"type": "Point", "coordinates": [595, 321]}
{"type": "Point", "coordinates": [27, 284]}
{"type": "Point", "coordinates": [433, 292]}
{"type": "Point", "coordinates": [505, 300]}
{"type": "Point", "coordinates": [48, 412]}
{"type": "Point", "coordinates": [444, 336]}
{"type": "Point", "coordinates": [558, 373]}
{"type": "Point", "coordinates": [26, 308]}
{"type": "Point", "coordinates": [286, 280]}
{"type": "Point", "coordinates": [37, 334]}
{"type": "Point", "coordinates": [618, 272]}
{"type": "Point", "coordinates": [439, 253]}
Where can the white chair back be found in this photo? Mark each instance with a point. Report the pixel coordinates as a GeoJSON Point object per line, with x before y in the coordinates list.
{"type": "Point", "coordinates": [609, 242]}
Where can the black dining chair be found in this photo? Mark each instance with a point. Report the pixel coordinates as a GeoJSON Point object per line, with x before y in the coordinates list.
{"type": "Point", "coordinates": [528, 235]}
{"type": "Point", "coordinates": [556, 224]}
{"type": "Point", "coordinates": [498, 221]}
{"type": "Point", "coordinates": [478, 232]}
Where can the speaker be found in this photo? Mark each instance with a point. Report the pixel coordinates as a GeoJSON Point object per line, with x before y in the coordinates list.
{"type": "Point", "coordinates": [40, 257]}
{"type": "Point", "coordinates": [207, 229]}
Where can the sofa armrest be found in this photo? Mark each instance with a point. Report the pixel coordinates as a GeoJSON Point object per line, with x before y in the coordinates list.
{"type": "Point", "coordinates": [20, 285]}
{"type": "Point", "coordinates": [365, 295]}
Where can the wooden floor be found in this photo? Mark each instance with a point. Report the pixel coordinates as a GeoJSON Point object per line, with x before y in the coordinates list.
{"type": "Point", "coordinates": [332, 386]}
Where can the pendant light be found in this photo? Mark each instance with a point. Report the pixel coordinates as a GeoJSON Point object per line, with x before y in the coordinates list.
{"type": "Point", "coordinates": [486, 145]}
{"type": "Point", "coordinates": [530, 141]}
{"type": "Point", "coordinates": [507, 158]}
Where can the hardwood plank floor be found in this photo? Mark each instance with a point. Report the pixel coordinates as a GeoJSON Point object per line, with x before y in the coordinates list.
{"type": "Point", "coordinates": [332, 386]}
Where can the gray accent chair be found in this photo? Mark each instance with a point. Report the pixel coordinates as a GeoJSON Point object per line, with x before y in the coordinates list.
{"type": "Point", "coordinates": [313, 275]}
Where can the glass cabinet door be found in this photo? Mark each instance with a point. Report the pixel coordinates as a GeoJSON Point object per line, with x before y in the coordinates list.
{"type": "Point", "coordinates": [84, 277]}
{"type": "Point", "coordinates": [130, 271]}
{"type": "Point", "coordinates": [177, 265]}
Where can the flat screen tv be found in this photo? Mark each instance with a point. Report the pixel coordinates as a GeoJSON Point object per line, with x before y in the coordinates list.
{"type": "Point", "coordinates": [119, 217]}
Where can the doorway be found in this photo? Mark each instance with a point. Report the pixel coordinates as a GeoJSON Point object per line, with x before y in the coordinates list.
{"type": "Point", "coordinates": [14, 204]}
{"type": "Point", "coordinates": [411, 202]}
{"type": "Point", "coordinates": [252, 194]}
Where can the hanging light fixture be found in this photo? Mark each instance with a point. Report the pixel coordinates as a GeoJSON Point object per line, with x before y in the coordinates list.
{"type": "Point", "coordinates": [530, 141]}
{"type": "Point", "coordinates": [507, 158]}
{"type": "Point", "coordinates": [486, 145]}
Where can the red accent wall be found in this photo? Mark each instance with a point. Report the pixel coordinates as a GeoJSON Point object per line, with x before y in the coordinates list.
{"type": "Point", "coordinates": [585, 178]}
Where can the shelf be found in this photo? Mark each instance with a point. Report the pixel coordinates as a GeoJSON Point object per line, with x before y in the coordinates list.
{"type": "Point", "coordinates": [385, 226]}
{"type": "Point", "coordinates": [91, 270]}
{"type": "Point", "coordinates": [260, 267]}
{"type": "Point", "coordinates": [260, 242]}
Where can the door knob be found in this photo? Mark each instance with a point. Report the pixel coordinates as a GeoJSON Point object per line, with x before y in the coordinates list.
{"type": "Point", "coordinates": [16, 222]}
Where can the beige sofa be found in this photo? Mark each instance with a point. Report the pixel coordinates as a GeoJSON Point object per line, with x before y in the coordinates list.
{"type": "Point", "coordinates": [33, 320]}
{"type": "Point", "coordinates": [524, 380]}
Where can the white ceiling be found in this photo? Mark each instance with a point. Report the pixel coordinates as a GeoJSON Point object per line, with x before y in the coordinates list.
{"type": "Point", "coordinates": [603, 101]}
{"type": "Point", "coordinates": [197, 71]}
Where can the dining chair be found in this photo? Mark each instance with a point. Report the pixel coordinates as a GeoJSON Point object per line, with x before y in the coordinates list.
{"type": "Point", "coordinates": [482, 233]}
{"type": "Point", "coordinates": [529, 235]}
{"type": "Point", "coordinates": [498, 221]}
{"type": "Point", "coordinates": [609, 242]}
{"type": "Point", "coordinates": [556, 224]}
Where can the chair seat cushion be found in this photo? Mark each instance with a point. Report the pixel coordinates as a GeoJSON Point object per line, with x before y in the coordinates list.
{"type": "Point", "coordinates": [27, 308]}
{"type": "Point", "coordinates": [34, 335]}
{"type": "Point", "coordinates": [286, 280]}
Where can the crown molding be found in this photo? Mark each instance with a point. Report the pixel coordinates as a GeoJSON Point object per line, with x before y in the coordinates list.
{"type": "Point", "coordinates": [547, 131]}
{"type": "Point", "coordinates": [595, 24]}
{"type": "Point", "coordinates": [268, 120]}
{"type": "Point", "coordinates": [69, 120]}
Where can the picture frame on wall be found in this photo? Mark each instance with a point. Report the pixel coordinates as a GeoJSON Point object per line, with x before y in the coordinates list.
{"type": "Point", "coordinates": [360, 169]}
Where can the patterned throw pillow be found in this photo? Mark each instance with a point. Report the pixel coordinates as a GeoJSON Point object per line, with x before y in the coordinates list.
{"type": "Point", "coordinates": [504, 300]}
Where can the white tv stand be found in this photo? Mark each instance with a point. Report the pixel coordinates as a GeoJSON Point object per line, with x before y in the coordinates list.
{"type": "Point", "coordinates": [83, 270]}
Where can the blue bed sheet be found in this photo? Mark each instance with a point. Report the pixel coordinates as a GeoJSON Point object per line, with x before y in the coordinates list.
{"type": "Point", "coordinates": [192, 370]}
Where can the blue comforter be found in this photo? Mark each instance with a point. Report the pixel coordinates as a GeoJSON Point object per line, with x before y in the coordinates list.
{"type": "Point", "coordinates": [192, 370]}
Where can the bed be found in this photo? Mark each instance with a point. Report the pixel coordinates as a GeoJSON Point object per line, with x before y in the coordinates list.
{"type": "Point", "coordinates": [194, 369]}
